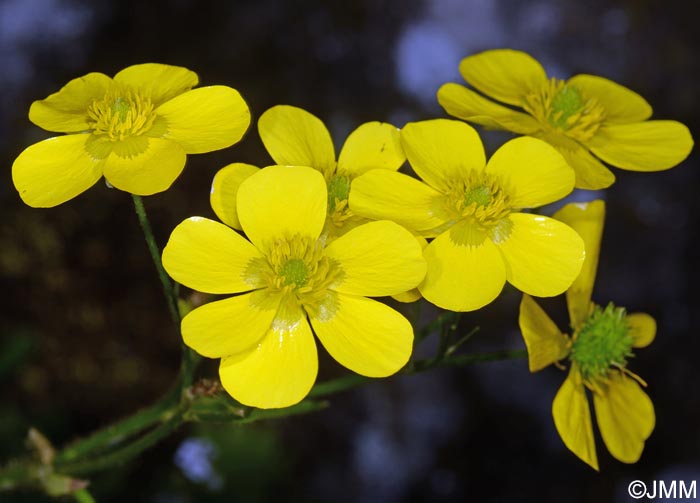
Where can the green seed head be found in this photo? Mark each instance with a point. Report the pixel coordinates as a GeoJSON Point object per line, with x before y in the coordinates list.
{"type": "Point", "coordinates": [602, 342]}
{"type": "Point", "coordinates": [295, 272]}
{"type": "Point", "coordinates": [121, 107]}
{"type": "Point", "coordinates": [480, 194]}
{"type": "Point", "coordinates": [567, 102]}
{"type": "Point", "coordinates": [338, 189]}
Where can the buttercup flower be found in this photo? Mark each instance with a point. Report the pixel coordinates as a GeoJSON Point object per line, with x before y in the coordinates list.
{"type": "Point", "coordinates": [293, 277]}
{"type": "Point", "coordinates": [472, 209]}
{"type": "Point", "coordinates": [598, 349]}
{"type": "Point", "coordinates": [588, 119]}
{"type": "Point", "coordinates": [294, 137]}
{"type": "Point", "coordinates": [135, 130]}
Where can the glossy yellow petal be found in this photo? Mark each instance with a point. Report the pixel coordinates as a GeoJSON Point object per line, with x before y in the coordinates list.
{"type": "Point", "coordinates": [625, 417]}
{"type": "Point", "coordinates": [462, 277]}
{"type": "Point", "coordinates": [53, 171]}
{"type": "Point", "coordinates": [229, 326]}
{"type": "Point", "coordinates": [533, 171]}
{"type": "Point", "coordinates": [503, 74]}
{"type": "Point", "coordinates": [377, 259]}
{"type": "Point", "coordinates": [621, 104]}
{"type": "Point", "coordinates": [642, 329]}
{"type": "Point", "coordinates": [205, 119]}
{"type": "Point", "coordinates": [224, 191]}
{"type": "Point", "coordinates": [382, 194]}
{"type": "Point", "coordinates": [66, 110]}
{"type": "Point", "coordinates": [591, 174]}
{"type": "Point", "coordinates": [366, 336]}
{"type": "Point", "coordinates": [587, 219]}
{"type": "Point", "coordinates": [572, 417]}
{"type": "Point", "coordinates": [152, 167]}
{"type": "Point", "coordinates": [442, 150]}
{"type": "Point", "coordinates": [207, 256]}
{"type": "Point", "coordinates": [295, 137]}
{"type": "Point", "coordinates": [159, 82]}
{"type": "Point", "coordinates": [542, 256]}
{"type": "Point", "coordinates": [280, 202]}
{"type": "Point", "coordinates": [546, 344]}
{"type": "Point", "coordinates": [413, 294]}
{"type": "Point", "coordinates": [278, 372]}
{"type": "Point", "coordinates": [644, 146]}
{"type": "Point", "coordinates": [373, 145]}
{"type": "Point", "coordinates": [465, 104]}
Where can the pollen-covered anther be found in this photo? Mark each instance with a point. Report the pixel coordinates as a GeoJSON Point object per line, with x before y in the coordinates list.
{"type": "Point", "coordinates": [562, 107]}
{"type": "Point", "coordinates": [121, 113]}
{"type": "Point", "coordinates": [602, 343]}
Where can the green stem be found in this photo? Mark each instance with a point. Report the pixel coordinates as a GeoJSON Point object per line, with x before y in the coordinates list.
{"type": "Point", "coordinates": [168, 288]}
{"type": "Point", "coordinates": [353, 380]}
{"type": "Point", "coordinates": [121, 456]}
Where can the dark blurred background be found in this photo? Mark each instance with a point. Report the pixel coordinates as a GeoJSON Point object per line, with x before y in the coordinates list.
{"type": "Point", "coordinates": [84, 331]}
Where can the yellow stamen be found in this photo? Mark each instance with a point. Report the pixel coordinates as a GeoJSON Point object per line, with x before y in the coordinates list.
{"type": "Point", "coordinates": [122, 113]}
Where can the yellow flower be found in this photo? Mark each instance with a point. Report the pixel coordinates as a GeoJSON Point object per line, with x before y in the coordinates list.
{"type": "Point", "coordinates": [294, 137]}
{"type": "Point", "coordinates": [135, 130]}
{"type": "Point", "coordinates": [291, 273]}
{"type": "Point", "coordinates": [471, 208]}
{"type": "Point", "coordinates": [589, 119]}
{"type": "Point", "coordinates": [598, 350]}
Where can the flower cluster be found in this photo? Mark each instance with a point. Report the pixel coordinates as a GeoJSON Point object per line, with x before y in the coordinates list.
{"type": "Point", "coordinates": [307, 240]}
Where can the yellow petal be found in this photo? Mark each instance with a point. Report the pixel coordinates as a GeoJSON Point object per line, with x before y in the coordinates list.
{"type": "Point", "coordinates": [591, 174]}
{"type": "Point", "coordinates": [462, 277]}
{"type": "Point", "coordinates": [278, 372]}
{"type": "Point", "coordinates": [442, 150]}
{"type": "Point", "coordinates": [159, 82]}
{"type": "Point", "coordinates": [382, 194]}
{"type": "Point", "coordinates": [572, 417]}
{"type": "Point", "coordinates": [465, 104]}
{"type": "Point", "coordinates": [545, 343]}
{"type": "Point", "coordinates": [413, 294]}
{"type": "Point", "coordinates": [205, 119]}
{"type": "Point", "coordinates": [295, 137]}
{"type": "Point", "coordinates": [366, 336]}
{"type": "Point", "coordinates": [587, 219]}
{"type": "Point", "coordinates": [503, 74]}
{"type": "Point", "coordinates": [66, 110]}
{"type": "Point", "coordinates": [621, 104]}
{"type": "Point", "coordinates": [53, 171]}
{"type": "Point", "coordinates": [642, 329]}
{"type": "Point", "coordinates": [207, 256]}
{"type": "Point", "coordinates": [542, 256]}
{"type": "Point", "coordinates": [377, 259]}
{"type": "Point", "coordinates": [643, 146]}
{"type": "Point", "coordinates": [279, 202]}
{"type": "Point", "coordinates": [373, 145]}
{"type": "Point", "coordinates": [533, 170]}
{"type": "Point", "coordinates": [224, 191]}
{"type": "Point", "coordinates": [155, 166]}
{"type": "Point", "coordinates": [229, 326]}
{"type": "Point", "coordinates": [625, 417]}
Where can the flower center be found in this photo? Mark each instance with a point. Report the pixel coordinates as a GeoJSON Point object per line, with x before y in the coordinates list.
{"type": "Point", "coordinates": [602, 342]}
{"type": "Point", "coordinates": [122, 113]}
{"type": "Point", "coordinates": [297, 268]}
{"type": "Point", "coordinates": [338, 192]}
{"type": "Point", "coordinates": [482, 201]}
{"type": "Point", "coordinates": [564, 108]}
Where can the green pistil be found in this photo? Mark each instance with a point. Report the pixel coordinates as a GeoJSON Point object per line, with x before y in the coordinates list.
{"type": "Point", "coordinates": [295, 272]}
{"type": "Point", "coordinates": [121, 107]}
{"type": "Point", "coordinates": [602, 342]}
{"type": "Point", "coordinates": [567, 102]}
{"type": "Point", "coordinates": [481, 195]}
{"type": "Point", "coordinates": [338, 189]}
